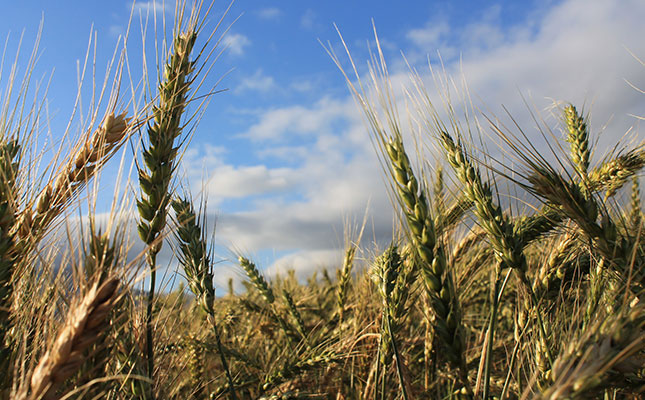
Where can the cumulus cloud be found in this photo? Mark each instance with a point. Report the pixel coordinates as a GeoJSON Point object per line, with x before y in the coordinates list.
{"type": "Point", "coordinates": [236, 43]}
{"type": "Point", "coordinates": [282, 123]}
{"type": "Point", "coordinates": [575, 52]}
{"type": "Point", "coordinates": [305, 263]}
{"type": "Point", "coordinates": [430, 36]}
{"type": "Point", "coordinates": [258, 82]}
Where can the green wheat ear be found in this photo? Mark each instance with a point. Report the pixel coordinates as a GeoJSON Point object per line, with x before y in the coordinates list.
{"type": "Point", "coordinates": [636, 212]}
{"type": "Point", "coordinates": [578, 138]}
{"type": "Point", "coordinates": [257, 279]}
{"type": "Point", "coordinates": [430, 253]}
{"type": "Point", "coordinates": [159, 156]}
{"type": "Point", "coordinates": [159, 161]}
{"type": "Point", "coordinates": [195, 258]}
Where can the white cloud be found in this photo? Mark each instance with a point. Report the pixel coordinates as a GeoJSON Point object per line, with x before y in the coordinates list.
{"type": "Point", "coordinates": [305, 263]}
{"type": "Point", "coordinates": [430, 36]}
{"type": "Point", "coordinates": [270, 13]}
{"type": "Point", "coordinates": [257, 82]}
{"type": "Point", "coordinates": [236, 42]}
{"type": "Point", "coordinates": [302, 86]}
{"type": "Point", "coordinates": [283, 123]}
{"type": "Point", "coordinates": [234, 182]}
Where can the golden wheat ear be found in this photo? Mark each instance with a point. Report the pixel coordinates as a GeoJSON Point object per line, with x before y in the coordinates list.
{"type": "Point", "coordinates": [89, 155]}
{"type": "Point", "coordinates": [82, 328]}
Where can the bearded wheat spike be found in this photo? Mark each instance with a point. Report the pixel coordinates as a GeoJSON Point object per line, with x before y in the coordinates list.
{"type": "Point", "coordinates": [613, 174]}
{"type": "Point", "coordinates": [84, 324]}
{"type": "Point", "coordinates": [606, 353]}
{"type": "Point", "coordinates": [423, 234]}
{"type": "Point", "coordinates": [636, 212]}
{"type": "Point", "coordinates": [578, 138]}
{"type": "Point", "coordinates": [159, 159]}
{"type": "Point", "coordinates": [257, 279]}
{"type": "Point", "coordinates": [508, 248]}
{"type": "Point", "coordinates": [507, 244]}
{"type": "Point", "coordinates": [344, 277]}
{"type": "Point", "coordinates": [583, 210]}
{"type": "Point", "coordinates": [198, 268]}
{"type": "Point", "coordinates": [90, 155]}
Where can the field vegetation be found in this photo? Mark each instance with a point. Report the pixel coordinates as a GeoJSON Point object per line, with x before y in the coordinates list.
{"type": "Point", "coordinates": [517, 281]}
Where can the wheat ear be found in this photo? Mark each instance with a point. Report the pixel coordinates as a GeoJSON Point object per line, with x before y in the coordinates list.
{"type": "Point", "coordinates": [198, 268]}
{"type": "Point", "coordinates": [392, 277]}
{"type": "Point", "coordinates": [159, 159]}
{"type": "Point", "coordinates": [257, 279]}
{"type": "Point", "coordinates": [504, 238]}
{"type": "Point", "coordinates": [613, 174]}
{"type": "Point", "coordinates": [433, 264]}
{"type": "Point", "coordinates": [582, 209]}
{"type": "Point", "coordinates": [344, 277]}
{"type": "Point", "coordinates": [508, 248]}
{"type": "Point", "coordinates": [605, 355]}
{"type": "Point", "coordinates": [578, 138]}
{"type": "Point", "coordinates": [295, 314]}
{"type": "Point", "coordinates": [83, 326]}
{"type": "Point", "coordinates": [636, 211]}
{"type": "Point", "coordinates": [87, 159]}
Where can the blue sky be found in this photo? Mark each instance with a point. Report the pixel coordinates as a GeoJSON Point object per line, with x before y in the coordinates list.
{"type": "Point", "coordinates": [284, 149]}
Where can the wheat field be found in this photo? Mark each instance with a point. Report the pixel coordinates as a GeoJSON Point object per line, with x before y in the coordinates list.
{"type": "Point", "coordinates": [481, 293]}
